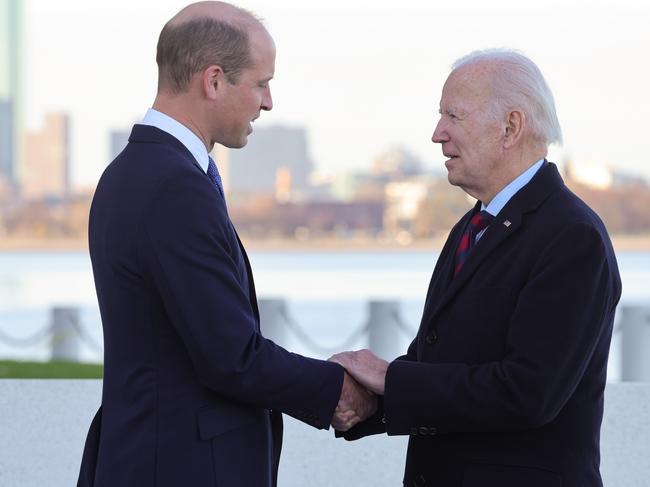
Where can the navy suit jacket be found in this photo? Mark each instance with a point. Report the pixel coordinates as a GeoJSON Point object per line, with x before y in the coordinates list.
{"type": "Point", "coordinates": [192, 392]}
{"type": "Point", "coordinates": [503, 385]}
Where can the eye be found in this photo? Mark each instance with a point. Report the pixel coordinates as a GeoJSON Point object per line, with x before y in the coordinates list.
{"type": "Point", "coordinates": [449, 114]}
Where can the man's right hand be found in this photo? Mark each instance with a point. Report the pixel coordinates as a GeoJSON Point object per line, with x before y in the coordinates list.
{"type": "Point", "coordinates": [356, 404]}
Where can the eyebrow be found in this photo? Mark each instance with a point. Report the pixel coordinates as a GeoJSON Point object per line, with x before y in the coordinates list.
{"type": "Point", "coordinates": [457, 111]}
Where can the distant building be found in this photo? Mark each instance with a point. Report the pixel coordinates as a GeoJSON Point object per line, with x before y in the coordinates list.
{"type": "Point", "coordinates": [396, 163]}
{"type": "Point", "coordinates": [275, 160]}
{"type": "Point", "coordinates": [47, 160]}
{"type": "Point", "coordinates": [346, 186]}
{"type": "Point", "coordinates": [117, 142]}
{"type": "Point", "coordinates": [403, 200]}
{"type": "Point", "coordinates": [358, 186]}
{"type": "Point", "coordinates": [308, 219]}
{"type": "Point", "coordinates": [11, 90]}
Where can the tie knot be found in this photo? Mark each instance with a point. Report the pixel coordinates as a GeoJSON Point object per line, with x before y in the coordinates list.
{"type": "Point", "coordinates": [480, 221]}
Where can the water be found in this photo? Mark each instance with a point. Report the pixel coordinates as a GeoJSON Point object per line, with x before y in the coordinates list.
{"type": "Point", "coordinates": [327, 293]}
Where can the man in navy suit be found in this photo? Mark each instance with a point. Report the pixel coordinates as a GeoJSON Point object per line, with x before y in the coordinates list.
{"type": "Point", "coordinates": [192, 392]}
{"type": "Point", "coordinates": [503, 384]}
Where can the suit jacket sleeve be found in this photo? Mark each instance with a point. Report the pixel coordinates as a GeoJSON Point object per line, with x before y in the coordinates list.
{"type": "Point", "coordinates": [191, 263]}
{"type": "Point", "coordinates": [558, 318]}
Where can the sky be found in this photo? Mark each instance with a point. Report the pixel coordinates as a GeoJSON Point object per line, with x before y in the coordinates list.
{"type": "Point", "coordinates": [361, 76]}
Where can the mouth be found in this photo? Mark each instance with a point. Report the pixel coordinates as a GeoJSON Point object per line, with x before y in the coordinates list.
{"type": "Point", "coordinates": [450, 160]}
{"type": "Point", "coordinates": [450, 157]}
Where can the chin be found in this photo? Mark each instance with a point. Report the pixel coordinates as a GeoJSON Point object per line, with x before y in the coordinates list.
{"type": "Point", "coordinates": [236, 144]}
{"type": "Point", "coordinates": [453, 180]}
{"type": "Point", "coordinates": [243, 141]}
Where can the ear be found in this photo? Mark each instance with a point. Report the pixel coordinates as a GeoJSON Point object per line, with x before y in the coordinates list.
{"type": "Point", "coordinates": [514, 128]}
{"type": "Point", "coordinates": [212, 81]}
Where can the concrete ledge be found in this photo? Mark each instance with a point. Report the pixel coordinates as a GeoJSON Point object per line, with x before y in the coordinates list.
{"type": "Point", "coordinates": [43, 424]}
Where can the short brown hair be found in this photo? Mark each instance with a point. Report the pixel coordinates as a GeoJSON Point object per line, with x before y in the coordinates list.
{"type": "Point", "coordinates": [185, 49]}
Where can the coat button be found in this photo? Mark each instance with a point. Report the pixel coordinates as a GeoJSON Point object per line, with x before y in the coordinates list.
{"type": "Point", "coordinates": [432, 337]}
{"type": "Point", "coordinates": [433, 431]}
{"type": "Point", "coordinates": [424, 430]}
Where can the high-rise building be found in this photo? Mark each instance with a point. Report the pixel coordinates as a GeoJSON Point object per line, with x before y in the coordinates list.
{"type": "Point", "coordinates": [275, 157]}
{"type": "Point", "coordinates": [11, 86]}
{"type": "Point", "coordinates": [47, 160]}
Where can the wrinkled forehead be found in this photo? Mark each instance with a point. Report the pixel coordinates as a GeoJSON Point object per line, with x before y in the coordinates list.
{"type": "Point", "coordinates": [468, 86]}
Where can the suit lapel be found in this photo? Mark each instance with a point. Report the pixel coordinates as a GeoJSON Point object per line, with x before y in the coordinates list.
{"type": "Point", "coordinates": [148, 134]}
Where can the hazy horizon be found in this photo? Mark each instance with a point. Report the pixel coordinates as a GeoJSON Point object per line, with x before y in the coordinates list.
{"type": "Point", "coordinates": [361, 76]}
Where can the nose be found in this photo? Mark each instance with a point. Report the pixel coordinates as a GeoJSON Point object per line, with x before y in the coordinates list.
{"type": "Point", "coordinates": [267, 100]}
{"type": "Point", "coordinates": [440, 134]}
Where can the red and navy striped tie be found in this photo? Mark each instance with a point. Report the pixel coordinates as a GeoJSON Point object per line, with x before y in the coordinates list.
{"type": "Point", "coordinates": [478, 222]}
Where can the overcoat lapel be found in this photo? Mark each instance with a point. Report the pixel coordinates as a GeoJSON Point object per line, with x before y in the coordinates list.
{"type": "Point", "coordinates": [501, 228]}
{"type": "Point", "coordinates": [443, 272]}
{"type": "Point", "coordinates": [444, 287]}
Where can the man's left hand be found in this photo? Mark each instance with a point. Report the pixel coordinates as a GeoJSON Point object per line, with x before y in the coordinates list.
{"type": "Point", "coordinates": [368, 369]}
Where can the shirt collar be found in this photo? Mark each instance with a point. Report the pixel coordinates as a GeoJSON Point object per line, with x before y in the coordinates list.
{"type": "Point", "coordinates": [503, 196]}
{"type": "Point", "coordinates": [179, 131]}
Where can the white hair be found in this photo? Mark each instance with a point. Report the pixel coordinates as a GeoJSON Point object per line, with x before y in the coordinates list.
{"type": "Point", "coordinates": [518, 83]}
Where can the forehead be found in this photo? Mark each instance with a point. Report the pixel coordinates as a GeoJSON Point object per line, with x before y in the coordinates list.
{"type": "Point", "coordinates": [467, 87]}
{"type": "Point", "coordinates": [262, 47]}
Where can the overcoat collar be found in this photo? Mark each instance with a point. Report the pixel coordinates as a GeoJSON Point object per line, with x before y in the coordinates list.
{"type": "Point", "coordinates": [444, 286]}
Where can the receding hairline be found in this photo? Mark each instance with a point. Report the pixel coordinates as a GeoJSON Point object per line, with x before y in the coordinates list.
{"type": "Point", "coordinates": [486, 69]}
{"type": "Point", "coordinates": [219, 11]}
{"type": "Point", "coordinates": [515, 82]}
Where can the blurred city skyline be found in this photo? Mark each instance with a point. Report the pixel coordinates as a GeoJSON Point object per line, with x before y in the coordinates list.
{"type": "Point", "coordinates": [359, 76]}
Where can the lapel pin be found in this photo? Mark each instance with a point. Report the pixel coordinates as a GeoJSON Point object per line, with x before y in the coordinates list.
{"type": "Point", "coordinates": [507, 223]}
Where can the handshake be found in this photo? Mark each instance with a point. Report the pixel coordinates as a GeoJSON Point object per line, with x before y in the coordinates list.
{"type": "Point", "coordinates": [364, 379]}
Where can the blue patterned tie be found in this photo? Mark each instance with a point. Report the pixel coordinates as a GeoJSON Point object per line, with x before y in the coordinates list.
{"type": "Point", "coordinates": [213, 174]}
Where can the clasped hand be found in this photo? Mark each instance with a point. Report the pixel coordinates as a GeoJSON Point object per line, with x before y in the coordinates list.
{"type": "Point", "coordinates": [364, 379]}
